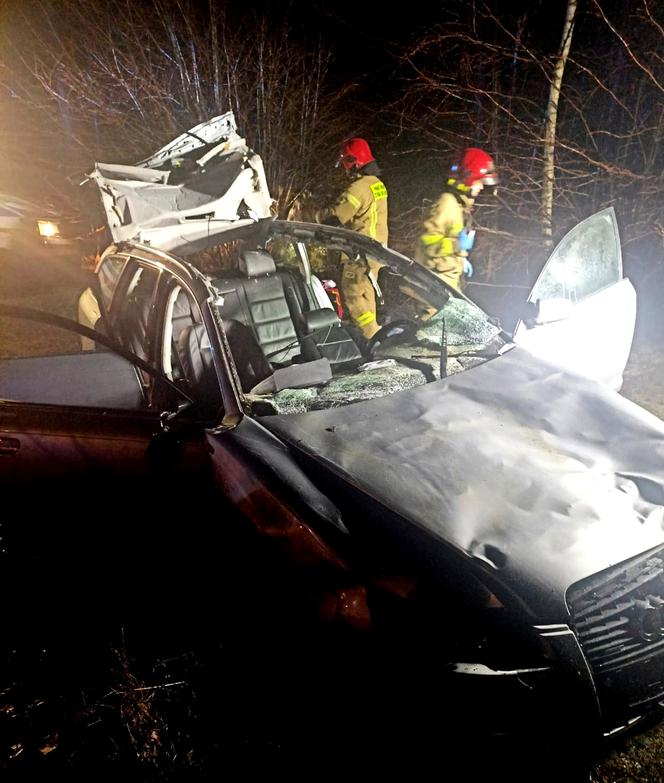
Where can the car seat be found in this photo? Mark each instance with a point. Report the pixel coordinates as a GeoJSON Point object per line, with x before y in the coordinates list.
{"type": "Point", "coordinates": [326, 338]}
{"type": "Point", "coordinates": [257, 299]}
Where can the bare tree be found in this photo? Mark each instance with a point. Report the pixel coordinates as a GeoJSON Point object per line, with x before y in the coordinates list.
{"type": "Point", "coordinates": [548, 174]}
{"type": "Point", "coordinates": [483, 80]}
{"type": "Point", "coordinates": [118, 83]}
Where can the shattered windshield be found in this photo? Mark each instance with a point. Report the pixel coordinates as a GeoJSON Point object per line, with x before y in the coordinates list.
{"type": "Point", "coordinates": [304, 352]}
{"type": "Point", "coordinates": [462, 323]}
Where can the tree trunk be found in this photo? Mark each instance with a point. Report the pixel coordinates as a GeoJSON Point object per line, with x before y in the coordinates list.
{"type": "Point", "coordinates": [550, 123]}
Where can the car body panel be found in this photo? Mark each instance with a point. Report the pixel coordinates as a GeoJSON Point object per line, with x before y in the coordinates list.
{"type": "Point", "coordinates": [594, 337]}
{"type": "Point", "coordinates": [69, 446]}
{"type": "Point", "coordinates": [542, 476]}
{"type": "Point", "coordinates": [595, 340]}
{"type": "Point", "coordinates": [208, 177]}
{"type": "Point", "coordinates": [219, 129]}
{"type": "Point", "coordinates": [110, 380]}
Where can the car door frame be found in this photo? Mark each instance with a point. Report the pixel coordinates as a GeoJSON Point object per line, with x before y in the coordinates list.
{"type": "Point", "coordinates": [27, 423]}
{"type": "Point", "coordinates": [199, 289]}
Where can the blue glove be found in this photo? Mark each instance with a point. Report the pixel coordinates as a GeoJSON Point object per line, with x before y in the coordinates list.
{"type": "Point", "coordinates": [465, 240]}
{"type": "Point", "coordinates": [467, 268]}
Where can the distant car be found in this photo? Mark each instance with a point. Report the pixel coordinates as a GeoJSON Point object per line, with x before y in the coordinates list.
{"type": "Point", "coordinates": [30, 230]}
{"type": "Point", "coordinates": [481, 484]}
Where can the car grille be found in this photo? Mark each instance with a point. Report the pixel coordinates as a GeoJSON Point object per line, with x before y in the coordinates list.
{"type": "Point", "coordinates": [618, 617]}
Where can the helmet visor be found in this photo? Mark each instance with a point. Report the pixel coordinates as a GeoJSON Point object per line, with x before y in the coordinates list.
{"type": "Point", "coordinates": [347, 161]}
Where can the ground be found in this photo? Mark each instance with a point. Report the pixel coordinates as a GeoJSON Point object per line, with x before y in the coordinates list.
{"type": "Point", "coordinates": [54, 712]}
{"type": "Point", "coordinates": [644, 377]}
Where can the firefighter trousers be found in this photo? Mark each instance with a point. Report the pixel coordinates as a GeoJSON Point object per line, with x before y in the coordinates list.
{"type": "Point", "coordinates": [359, 294]}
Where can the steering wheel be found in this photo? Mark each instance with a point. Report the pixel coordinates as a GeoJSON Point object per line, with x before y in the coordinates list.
{"type": "Point", "coordinates": [399, 331]}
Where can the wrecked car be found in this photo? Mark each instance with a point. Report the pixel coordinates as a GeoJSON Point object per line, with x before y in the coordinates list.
{"type": "Point", "coordinates": [513, 505]}
{"type": "Point", "coordinates": [486, 503]}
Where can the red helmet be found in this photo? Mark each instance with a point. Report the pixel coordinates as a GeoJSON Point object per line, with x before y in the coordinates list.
{"type": "Point", "coordinates": [355, 153]}
{"type": "Point", "coordinates": [474, 166]}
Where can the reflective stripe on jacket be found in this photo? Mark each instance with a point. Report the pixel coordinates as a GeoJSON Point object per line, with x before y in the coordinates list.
{"type": "Point", "coordinates": [362, 207]}
{"type": "Point", "coordinates": [438, 246]}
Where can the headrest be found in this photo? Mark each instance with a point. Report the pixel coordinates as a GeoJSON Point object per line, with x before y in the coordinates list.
{"type": "Point", "coordinates": [257, 263]}
{"type": "Point", "coordinates": [319, 319]}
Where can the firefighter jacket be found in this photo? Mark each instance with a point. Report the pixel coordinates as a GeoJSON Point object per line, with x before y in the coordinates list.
{"type": "Point", "coordinates": [438, 247]}
{"type": "Point", "coordinates": [362, 207]}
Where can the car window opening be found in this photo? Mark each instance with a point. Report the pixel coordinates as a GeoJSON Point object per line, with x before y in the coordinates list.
{"type": "Point", "coordinates": [274, 319]}
{"type": "Point", "coordinates": [186, 351]}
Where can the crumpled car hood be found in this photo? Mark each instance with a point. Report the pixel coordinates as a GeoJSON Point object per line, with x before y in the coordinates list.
{"type": "Point", "coordinates": [543, 476]}
{"type": "Point", "coordinates": [203, 179]}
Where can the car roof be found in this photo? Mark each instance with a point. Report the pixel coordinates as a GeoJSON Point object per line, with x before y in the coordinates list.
{"type": "Point", "coordinates": [259, 231]}
{"type": "Point", "coordinates": [205, 179]}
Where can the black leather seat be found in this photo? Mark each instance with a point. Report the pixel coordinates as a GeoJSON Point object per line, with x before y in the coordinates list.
{"type": "Point", "coordinates": [252, 366]}
{"type": "Point", "coordinates": [295, 297]}
{"type": "Point", "coordinates": [257, 299]}
{"type": "Point", "coordinates": [327, 339]}
{"type": "Point", "coordinates": [196, 361]}
{"type": "Point", "coordinates": [182, 317]}
{"type": "Point", "coordinates": [266, 327]}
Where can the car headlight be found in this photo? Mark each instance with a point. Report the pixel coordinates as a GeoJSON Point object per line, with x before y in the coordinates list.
{"type": "Point", "coordinates": [47, 228]}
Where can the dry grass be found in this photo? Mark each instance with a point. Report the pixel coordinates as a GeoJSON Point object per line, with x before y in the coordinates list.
{"type": "Point", "coordinates": [644, 378]}
{"type": "Point", "coordinates": [637, 759]}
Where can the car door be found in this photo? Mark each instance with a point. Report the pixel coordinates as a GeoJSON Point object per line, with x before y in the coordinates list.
{"type": "Point", "coordinates": [102, 493]}
{"type": "Point", "coordinates": [76, 420]}
{"type": "Point", "coordinates": [583, 310]}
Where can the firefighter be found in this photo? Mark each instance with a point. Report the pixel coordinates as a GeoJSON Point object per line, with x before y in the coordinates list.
{"type": "Point", "coordinates": [448, 235]}
{"type": "Point", "coordinates": [362, 207]}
